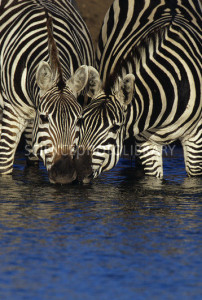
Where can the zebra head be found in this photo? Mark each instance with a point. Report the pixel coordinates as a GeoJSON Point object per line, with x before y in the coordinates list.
{"type": "Point", "coordinates": [102, 126]}
{"type": "Point", "coordinates": [54, 134]}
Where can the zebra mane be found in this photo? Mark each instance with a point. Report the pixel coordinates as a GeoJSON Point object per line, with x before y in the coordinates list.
{"type": "Point", "coordinates": [132, 58]}
{"type": "Point", "coordinates": [54, 55]}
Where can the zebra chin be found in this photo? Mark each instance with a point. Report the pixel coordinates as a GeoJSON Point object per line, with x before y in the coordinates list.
{"type": "Point", "coordinates": [63, 171]}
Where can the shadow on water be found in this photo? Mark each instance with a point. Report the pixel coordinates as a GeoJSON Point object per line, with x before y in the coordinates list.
{"type": "Point", "coordinates": [118, 238]}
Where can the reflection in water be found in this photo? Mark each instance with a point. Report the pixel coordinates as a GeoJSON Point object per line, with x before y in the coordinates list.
{"type": "Point", "coordinates": [118, 238]}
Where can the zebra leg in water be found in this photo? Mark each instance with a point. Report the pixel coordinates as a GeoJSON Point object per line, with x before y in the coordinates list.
{"type": "Point", "coordinates": [192, 147]}
{"type": "Point", "coordinates": [11, 130]}
{"type": "Point", "coordinates": [28, 133]}
{"type": "Point", "coordinates": [1, 116]}
{"type": "Point", "coordinates": [1, 112]}
{"type": "Point", "coordinates": [149, 157]}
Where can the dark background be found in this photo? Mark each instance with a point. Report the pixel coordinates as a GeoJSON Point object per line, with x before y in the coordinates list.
{"type": "Point", "coordinates": [93, 12]}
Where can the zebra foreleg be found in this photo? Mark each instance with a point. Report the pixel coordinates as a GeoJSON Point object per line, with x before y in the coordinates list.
{"type": "Point", "coordinates": [1, 112]}
{"type": "Point", "coordinates": [192, 147]}
{"type": "Point", "coordinates": [30, 157]}
{"type": "Point", "coordinates": [1, 116]}
{"type": "Point", "coordinates": [11, 130]}
{"type": "Point", "coordinates": [149, 157]}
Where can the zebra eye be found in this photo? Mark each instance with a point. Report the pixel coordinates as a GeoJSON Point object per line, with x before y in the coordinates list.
{"type": "Point", "coordinates": [44, 118]}
{"type": "Point", "coordinates": [79, 122]}
{"type": "Point", "coordinates": [115, 128]}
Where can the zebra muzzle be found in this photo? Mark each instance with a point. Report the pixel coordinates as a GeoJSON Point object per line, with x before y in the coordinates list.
{"type": "Point", "coordinates": [83, 165]}
{"type": "Point", "coordinates": [63, 170]}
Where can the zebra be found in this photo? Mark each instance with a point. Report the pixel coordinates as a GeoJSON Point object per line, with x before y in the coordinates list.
{"type": "Point", "coordinates": [148, 87]}
{"type": "Point", "coordinates": [45, 49]}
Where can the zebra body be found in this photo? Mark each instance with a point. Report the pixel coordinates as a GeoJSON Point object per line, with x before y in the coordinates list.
{"type": "Point", "coordinates": [43, 43]}
{"type": "Point", "coordinates": [152, 50]}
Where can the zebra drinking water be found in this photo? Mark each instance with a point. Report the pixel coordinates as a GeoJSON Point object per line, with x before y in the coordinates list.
{"type": "Point", "coordinates": [148, 87]}
{"type": "Point", "coordinates": [44, 47]}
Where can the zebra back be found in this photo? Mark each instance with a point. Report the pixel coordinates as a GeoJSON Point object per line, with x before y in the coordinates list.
{"type": "Point", "coordinates": [128, 22]}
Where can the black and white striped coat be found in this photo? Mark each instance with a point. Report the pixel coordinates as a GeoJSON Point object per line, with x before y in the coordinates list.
{"type": "Point", "coordinates": [149, 61]}
{"type": "Point", "coordinates": [42, 45]}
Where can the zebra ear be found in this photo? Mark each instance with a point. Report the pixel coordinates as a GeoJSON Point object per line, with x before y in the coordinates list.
{"type": "Point", "coordinates": [78, 81]}
{"type": "Point", "coordinates": [125, 89]}
{"type": "Point", "coordinates": [94, 82]}
{"type": "Point", "coordinates": [44, 77]}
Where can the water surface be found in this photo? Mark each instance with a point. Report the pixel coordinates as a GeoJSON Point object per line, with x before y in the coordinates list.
{"type": "Point", "coordinates": [120, 237]}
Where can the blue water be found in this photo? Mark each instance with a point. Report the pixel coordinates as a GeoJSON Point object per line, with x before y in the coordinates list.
{"type": "Point", "coordinates": [120, 237]}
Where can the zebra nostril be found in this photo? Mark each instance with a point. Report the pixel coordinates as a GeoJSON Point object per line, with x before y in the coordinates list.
{"type": "Point", "coordinates": [83, 165]}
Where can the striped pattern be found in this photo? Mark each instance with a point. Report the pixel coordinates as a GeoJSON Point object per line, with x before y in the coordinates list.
{"type": "Point", "coordinates": [23, 45]}
{"type": "Point", "coordinates": [101, 128]}
{"type": "Point", "coordinates": [55, 126]}
{"type": "Point", "coordinates": [160, 43]}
